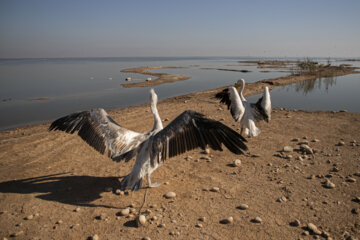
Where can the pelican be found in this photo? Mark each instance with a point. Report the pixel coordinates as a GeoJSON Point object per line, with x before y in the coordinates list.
{"type": "Point", "coordinates": [187, 131]}
{"type": "Point", "coordinates": [244, 112]}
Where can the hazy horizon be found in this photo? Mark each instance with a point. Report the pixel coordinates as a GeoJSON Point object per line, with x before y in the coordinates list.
{"type": "Point", "coordinates": [93, 29]}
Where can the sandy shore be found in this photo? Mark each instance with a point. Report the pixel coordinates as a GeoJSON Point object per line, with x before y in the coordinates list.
{"type": "Point", "coordinates": [54, 186]}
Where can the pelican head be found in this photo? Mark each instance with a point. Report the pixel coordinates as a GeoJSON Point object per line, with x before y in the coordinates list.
{"type": "Point", "coordinates": [240, 83]}
{"type": "Point", "coordinates": [153, 97]}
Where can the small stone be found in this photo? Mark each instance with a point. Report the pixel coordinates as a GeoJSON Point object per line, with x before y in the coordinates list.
{"type": "Point", "coordinates": [161, 225]}
{"type": "Point", "coordinates": [282, 199]}
{"type": "Point", "coordinates": [29, 217]}
{"type": "Point", "coordinates": [17, 234]}
{"type": "Point", "coordinates": [237, 163]}
{"type": "Point", "coordinates": [94, 237]}
{"type": "Point", "coordinates": [288, 149]}
{"type": "Point", "coordinates": [202, 219]}
{"type": "Point", "coordinates": [299, 158]}
{"type": "Point", "coordinates": [350, 179]}
{"type": "Point", "coordinates": [124, 212]}
{"type": "Point", "coordinates": [313, 229]}
{"type": "Point", "coordinates": [295, 223]}
{"type": "Point", "coordinates": [102, 216]}
{"type": "Point", "coordinates": [166, 183]}
{"type": "Point", "coordinates": [199, 225]}
{"type": "Point", "coordinates": [295, 139]}
{"type": "Point", "coordinates": [170, 195]}
{"type": "Point", "coordinates": [148, 79]}
{"type": "Point", "coordinates": [329, 184]}
{"type": "Point", "coordinates": [315, 140]}
{"type": "Point", "coordinates": [257, 220]}
{"type": "Point", "coordinates": [243, 206]}
{"type": "Point", "coordinates": [59, 222]}
{"type": "Point", "coordinates": [154, 218]}
{"type": "Point", "coordinates": [77, 209]}
{"type": "Point", "coordinates": [355, 211]}
{"type": "Point", "coordinates": [128, 79]}
{"type": "Point", "coordinates": [228, 220]}
{"type": "Point", "coordinates": [146, 238]}
{"type": "Point", "coordinates": [215, 189]}
{"type": "Point", "coordinates": [356, 199]}
{"type": "Point", "coordinates": [141, 220]}
{"type": "Point", "coordinates": [305, 148]}
{"type": "Point", "coordinates": [341, 143]}
{"type": "Point", "coordinates": [119, 192]}
{"type": "Point", "coordinates": [357, 174]}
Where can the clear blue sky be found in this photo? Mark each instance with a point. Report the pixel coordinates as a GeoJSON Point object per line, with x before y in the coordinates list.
{"type": "Point", "coordinates": [86, 28]}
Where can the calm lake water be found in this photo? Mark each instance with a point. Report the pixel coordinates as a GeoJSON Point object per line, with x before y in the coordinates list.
{"type": "Point", "coordinates": [79, 84]}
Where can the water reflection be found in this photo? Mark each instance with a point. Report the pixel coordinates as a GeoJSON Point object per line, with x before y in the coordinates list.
{"type": "Point", "coordinates": [306, 87]}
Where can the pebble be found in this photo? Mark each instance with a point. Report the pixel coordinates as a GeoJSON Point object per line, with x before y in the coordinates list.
{"type": "Point", "coordinates": [329, 184]}
{"type": "Point", "coordinates": [146, 238]}
{"type": "Point", "coordinates": [17, 234]}
{"type": "Point", "coordinates": [282, 199]}
{"type": "Point", "coordinates": [356, 199]}
{"type": "Point", "coordinates": [313, 229]}
{"type": "Point", "coordinates": [59, 222]}
{"type": "Point", "coordinates": [161, 225]}
{"type": "Point", "coordinates": [119, 192]}
{"type": "Point", "coordinates": [243, 206]}
{"type": "Point", "coordinates": [170, 195]}
{"type": "Point", "coordinates": [350, 179]}
{"type": "Point", "coordinates": [141, 220]}
{"type": "Point", "coordinates": [207, 151]}
{"type": "Point", "coordinates": [288, 149]}
{"type": "Point", "coordinates": [315, 140]}
{"type": "Point", "coordinates": [202, 219]}
{"type": "Point", "coordinates": [357, 174]}
{"type": "Point", "coordinates": [128, 79]}
{"type": "Point", "coordinates": [94, 237]}
{"type": "Point", "coordinates": [341, 143]}
{"type": "Point", "coordinates": [237, 163]}
{"type": "Point", "coordinates": [295, 223]}
{"type": "Point", "coordinates": [215, 189]}
{"type": "Point", "coordinates": [77, 209]}
{"type": "Point", "coordinates": [305, 148]}
{"type": "Point", "coordinates": [29, 217]}
{"type": "Point", "coordinates": [257, 220]}
{"type": "Point", "coordinates": [125, 212]}
{"type": "Point", "coordinates": [199, 225]}
{"type": "Point", "coordinates": [295, 139]}
{"type": "Point", "coordinates": [228, 220]}
{"type": "Point", "coordinates": [148, 79]}
{"type": "Point", "coordinates": [299, 158]}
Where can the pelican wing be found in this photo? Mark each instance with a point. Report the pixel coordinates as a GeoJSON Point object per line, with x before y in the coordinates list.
{"type": "Point", "coordinates": [101, 132]}
{"type": "Point", "coordinates": [231, 98]}
{"type": "Point", "coordinates": [191, 130]}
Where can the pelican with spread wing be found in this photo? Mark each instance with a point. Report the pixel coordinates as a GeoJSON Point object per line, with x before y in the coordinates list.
{"type": "Point", "coordinates": [187, 131]}
{"type": "Point", "coordinates": [244, 112]}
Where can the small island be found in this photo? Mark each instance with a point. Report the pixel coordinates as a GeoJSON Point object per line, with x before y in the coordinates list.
{"type": "Point", "coordinates": [161, 77]}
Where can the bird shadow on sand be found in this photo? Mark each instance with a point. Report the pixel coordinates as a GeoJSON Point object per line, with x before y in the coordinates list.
{"type": "Point", "coordinates": [64, 188]}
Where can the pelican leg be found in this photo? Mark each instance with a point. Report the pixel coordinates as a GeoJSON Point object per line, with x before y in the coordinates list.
{"type": "Point", "coordinates": [151, 185]}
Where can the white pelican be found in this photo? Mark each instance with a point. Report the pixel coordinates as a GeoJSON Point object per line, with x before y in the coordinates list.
{"type": "Point", "coordinates": [248, 113]}
{"type": "Point", "coordinates": [186, 132]}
